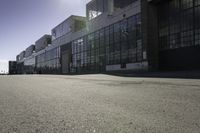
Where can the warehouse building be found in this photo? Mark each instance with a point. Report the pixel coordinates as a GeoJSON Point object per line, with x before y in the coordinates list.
{"type": "Point", "coordinates": [12, 67]}
{"type": "Point", "coordinates": [130, 35]}
{"type": "Point", "coordinates": [111, 40]}
{"type": "Point", "coordinates": [20, 62]}
{"type": "Point", "coordinates": [29, 61]}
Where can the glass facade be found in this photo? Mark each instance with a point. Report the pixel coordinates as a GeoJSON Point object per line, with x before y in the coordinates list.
{"type": "Point", "coordinates": [61, 30]}
{"type": "Point", "coordinates": [95, 8]}
{"type": "Point", "coordinates": [122, 3]}
{"type": "Point", "coordinates": [179, 23]}
{"type": "Point", "coordinates": [49, 61]}
{"type": "Point", "coordinates": [119, 43]}
{"type": "Point", "coordinates": [119, 46]}
{"type": "Point", "coordinates": [29, 65]}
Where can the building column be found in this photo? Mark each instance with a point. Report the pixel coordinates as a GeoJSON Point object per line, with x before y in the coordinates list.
{"type": "Point", "coordinates": [150, 33]}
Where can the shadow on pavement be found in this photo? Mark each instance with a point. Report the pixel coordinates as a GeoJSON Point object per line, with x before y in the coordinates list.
{"type": "Point", "coordinates": [160, 74]}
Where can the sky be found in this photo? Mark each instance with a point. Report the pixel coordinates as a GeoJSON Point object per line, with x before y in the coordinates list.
{"type": "Point", "coordinates": [3, 66]}
{"type": "Point", "coordinates": [22, 22]}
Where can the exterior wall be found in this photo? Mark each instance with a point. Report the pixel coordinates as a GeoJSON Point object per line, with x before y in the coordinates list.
{"type": "Point", "coordinates": [20, 62]}
{"type": "Point", "coordinates": [17, 58]}
{"type": "Point", "coordinates": [63, 28]}
{"type": "Point", "coordinates": [101, 21]}
{"type": "Point", "coordinates": [48, 61]}
{"type": "Point", "coordinates": [29, 64]}
{"type": "Point", "coordinates": [179, 34]}
{"type": "Point", "coordinates": [29, 51]}
{"type": "Point", "coordinates": [150, 33]}
{"type": "Point", "coordinates": [108, 18]}
{"type": "Point", "coordinates": [117, 44]}
{"type": "Point", "coordinates": [185, 58]}
{"type": "Point", "coordinates": [42, 42]}
{"type": "Point", "coordinates": [145, 35]}
{"type": "Point", "coordinates": [95, 26]}
{"type": "Point", "coordinates": [66, 58]}
{"type": "Point", "coordinates": [20, 67]}
{"type": "Point", "coordinates": [141, 66]}
{"type": "Point", "coordinates": [21, 56]}
{"type": "Point", "coordinates": [96, 7]}
{"type": "Point", "coordinates": [68, 26]}
{"type": "Point", "coordinates": [12, 67]}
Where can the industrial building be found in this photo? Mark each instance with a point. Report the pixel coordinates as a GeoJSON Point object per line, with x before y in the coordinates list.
{"type": "Point", "coordinates": [12, 67]}
{"type": "Point", "coordinates": [116, 35]}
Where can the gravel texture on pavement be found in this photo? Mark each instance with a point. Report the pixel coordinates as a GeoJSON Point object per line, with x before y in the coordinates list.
{"type": "Point", "coordinates": [98, 103]}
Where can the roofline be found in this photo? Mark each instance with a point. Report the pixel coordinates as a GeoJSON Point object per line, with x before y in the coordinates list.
{"type": "Point", "coordinates": [30, 46]}
{"type": "Point", "coordinates": [42, 37]}
{"type": "Point", "coordinates": [90, 2]}
{"type": "Point", "coordinates": [71, 16]}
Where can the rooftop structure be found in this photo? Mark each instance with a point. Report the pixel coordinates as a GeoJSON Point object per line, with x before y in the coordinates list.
{"type": "Point", "coordinates": [42, 43]}
{"type": "Point", "coordinates": [70, 25]}
{"type": "Point", "coordinates": [29, 51]}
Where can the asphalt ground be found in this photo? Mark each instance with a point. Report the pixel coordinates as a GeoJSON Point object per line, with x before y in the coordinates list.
{"type": "Point", "coordinates": [98, 103]}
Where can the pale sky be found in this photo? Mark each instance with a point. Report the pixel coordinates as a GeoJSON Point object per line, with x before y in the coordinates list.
{"type": "Point", "coordinates": [3, 66]}
{"type": "Point", "coordinates": [25, 21]}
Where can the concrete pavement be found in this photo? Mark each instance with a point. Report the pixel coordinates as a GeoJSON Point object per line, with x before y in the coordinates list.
{"type": "Point", "coordinates": [98, 103]}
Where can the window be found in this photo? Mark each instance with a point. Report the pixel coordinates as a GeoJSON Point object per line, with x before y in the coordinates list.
{"type": "Point", "coordinates": [122, 3]}
{"type": "Point", "coordinates": [48, 61]}
{"type": "Point", "coordinates": [196, 2]}
{"type": "Point", "coordinates": [95, 8]}
{"type": "Point", "coordinates": [116, 44]}
{"type": "Point", "coordinates": [186, 4]}
{"type": "Point", "coordinates": [180, 27]}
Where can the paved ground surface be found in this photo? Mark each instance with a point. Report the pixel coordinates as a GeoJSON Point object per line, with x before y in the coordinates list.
{"type": "Point", "coordinates": [98, 103]}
